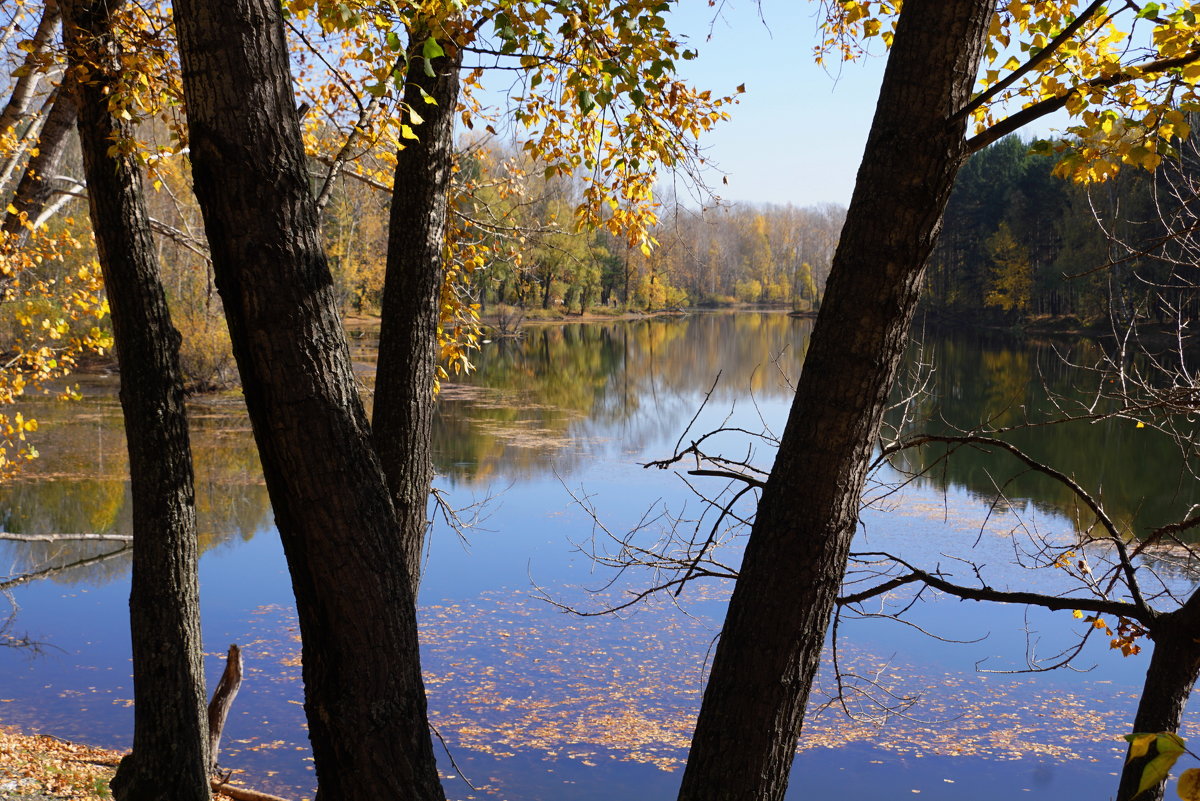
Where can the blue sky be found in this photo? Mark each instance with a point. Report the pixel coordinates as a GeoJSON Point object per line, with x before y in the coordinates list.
{"type": "Point", "coordinates": [799, 132]}
{"type": "Point", "coordinates": [797, 136]}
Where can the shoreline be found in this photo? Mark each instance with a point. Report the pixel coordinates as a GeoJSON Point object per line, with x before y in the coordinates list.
{"type": "Point", "coordinates": [42, 767]}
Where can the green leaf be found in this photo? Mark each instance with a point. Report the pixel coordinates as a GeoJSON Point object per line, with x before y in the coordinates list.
{"type": "Point", "coordinates": [1169, 746]}
{"type": "Point", "coordinates": [431, 49]}
{"type": "Point", "coordinates": [1157, 770]}
{"type": "Point", "coordinates": [1149, 10]}
{"type": "Point", "coordinates": [394, 43]}
{"type": "Point", "coordinates": [1170, 743]}
{"type": "Point", "coordinates": [586, 101]}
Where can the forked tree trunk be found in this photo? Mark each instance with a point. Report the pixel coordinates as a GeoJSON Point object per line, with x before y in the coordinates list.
{"type": "Point", "coordinates": [170, 749]}
{"type": "Point", "coordinates": [764, 666]}
{"type": "Point", "coordinates": [408, 348]}
{"type": "Point", "coordinates": [364, 694]}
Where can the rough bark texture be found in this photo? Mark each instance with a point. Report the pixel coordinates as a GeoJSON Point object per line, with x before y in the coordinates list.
{"type": "Point", "coordinates": [764, 666]}
{"type": "Point", "coordinates": [17, 107]}
{"type": "Point", "coordinates": [364, 695]}
{"type": "Point", "coordinates": [408, 350]}
{"type": "Point", "coordinates": [170, 748]}
{"type": "Point", "coordinates": [1174, 668]}
{"type": "Point", "coordinates": [37, 183]}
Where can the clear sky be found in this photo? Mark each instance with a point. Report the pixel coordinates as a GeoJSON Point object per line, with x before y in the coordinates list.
{"type": "Point", "coordinates": [798, 135]}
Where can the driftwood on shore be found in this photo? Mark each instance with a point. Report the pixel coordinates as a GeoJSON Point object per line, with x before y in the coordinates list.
{"type": "Point", "coordinates": [241, 793]}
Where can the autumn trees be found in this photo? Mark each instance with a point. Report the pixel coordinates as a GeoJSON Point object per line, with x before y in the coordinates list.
{"type": "Point", "coordinates": [350, 500]}
{"type": "Point", "coordinates": [796, 555]}
{"type": "Point", "coordinates": [352, 538]}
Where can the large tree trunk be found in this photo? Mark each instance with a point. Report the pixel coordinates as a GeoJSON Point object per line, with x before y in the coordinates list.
{"type": "Point", "coordinates": [1174, 668]}
{"type": "Point", "coordinates": [170, 749]}
{"type": "Point", "coordinates": [408, 346]}
{"type": "Point", "coordinates": [769, 651]}
{"type": "Point", "coordinates": [36, 187]}
{"type": "Point", "coordinates": [364, 695]}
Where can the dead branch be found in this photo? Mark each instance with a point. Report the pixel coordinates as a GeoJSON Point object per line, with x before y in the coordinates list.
{"type": "Point", "coordinates": [985, 593]}
{"type": "Point", "coordinates": [54, 571]}
{"type": "Point", "coordinates": [222, 700]}
{"type": "Point", "coordinates": [1091, 503]}
{"type": "Point", "coordinates": [239, 793]}
{"type": "Point", "coordinates": [4, 535]}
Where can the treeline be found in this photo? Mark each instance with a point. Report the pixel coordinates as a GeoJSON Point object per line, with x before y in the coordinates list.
{"type": "Point", "coordinates": [531, 254]}
{"type": "Point", "coordinates": [1021, 246]}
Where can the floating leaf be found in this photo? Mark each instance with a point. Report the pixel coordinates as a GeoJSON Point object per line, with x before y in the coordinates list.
{"type": "Point", "coordinates": [1189, 785]}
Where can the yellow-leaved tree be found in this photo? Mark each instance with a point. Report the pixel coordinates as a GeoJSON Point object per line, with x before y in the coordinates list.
{"type": "Point", "coordinates": [960, 75]}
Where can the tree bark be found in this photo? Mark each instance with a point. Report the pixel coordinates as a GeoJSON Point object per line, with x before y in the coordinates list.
{"type": "Point", "coordinates": [170, 750]}
{"type": "Point", "coordinates": [17, 106]}
{"type": "Point", "coordinates": [764, 666]}
{"type": "Point", "coordinates": [1174, 668]}
{"type": "Point", "coordinates": [408, 347]}
{"type": "Point", "coordinates": [364, 694]}
{"type": "Point", "coordinates": [36, 187]}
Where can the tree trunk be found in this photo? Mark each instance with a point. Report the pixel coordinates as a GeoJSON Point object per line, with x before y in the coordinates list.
{"type": "Point", "coordinates": [170, 750]}
{"type": "Point", "coordinates": [364, 695]}
{"type": "Point", "coordinates": [769, 651]}
{"type": "Point", "coordinates": [1174, 668]}
{"type": "Point", "coordinates": [18, 102]}
{"type": "Point", "coordinates": [408, 347]}
{"type": "Point", "coordinates": [37, 184]}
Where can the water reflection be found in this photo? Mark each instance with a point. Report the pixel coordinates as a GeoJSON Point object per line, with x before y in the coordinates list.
{"type": "Point", "coordinates": [80, 484]}
{"type": "Point", "coordinates": [1138, 474]}
{"type": "Point", "coordinates": [561, 393]}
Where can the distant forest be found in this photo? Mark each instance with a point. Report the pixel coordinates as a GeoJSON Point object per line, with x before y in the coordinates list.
{"type": "Point", "coordinates": [1022, 246]}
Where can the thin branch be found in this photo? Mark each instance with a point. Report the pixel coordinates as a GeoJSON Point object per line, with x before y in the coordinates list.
{"type": "Point", "coordinates": [1070, 483]}
{"type": "Point", "coordinates": [1050, 105]}
{"type": "Point", "coordinates": [1032, 63]}
{"type": "Point", "coordinates": [54, 571]}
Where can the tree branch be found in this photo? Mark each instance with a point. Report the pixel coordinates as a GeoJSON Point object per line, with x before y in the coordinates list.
{"type": "Point", "coordinates": [1032, 63]}
{"type": "Point", "coordinates": [1070, 483]}
{"type": "Point", "coordinates": [1038, 110]}
{"type": "Point", "coordinates": [1141, 614]}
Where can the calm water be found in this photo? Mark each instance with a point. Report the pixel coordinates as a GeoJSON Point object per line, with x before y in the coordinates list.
{"type": "Point", "coordinates": [534, 703]}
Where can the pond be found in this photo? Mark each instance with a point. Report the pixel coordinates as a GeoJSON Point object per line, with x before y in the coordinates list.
{"type": "Point", "coordinates": [540, 452]}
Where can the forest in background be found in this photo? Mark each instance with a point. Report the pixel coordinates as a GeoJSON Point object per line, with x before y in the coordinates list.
{"type": "Point", "coordinates": [1021, 246]}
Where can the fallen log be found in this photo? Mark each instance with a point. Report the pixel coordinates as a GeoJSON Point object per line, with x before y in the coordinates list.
{"type": "Point", "coordinates": [241, 793]}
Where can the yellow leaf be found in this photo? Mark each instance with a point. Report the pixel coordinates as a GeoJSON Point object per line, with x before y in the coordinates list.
{"type": "Point", "coordinates": [1139, 744]}
{"type": "Point", "coordinates": [1141, 424]}
{"type": "Point", "coordinates": [1189, 785]}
